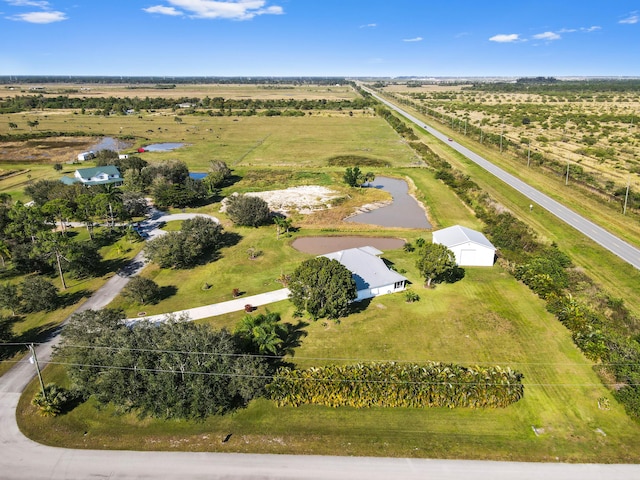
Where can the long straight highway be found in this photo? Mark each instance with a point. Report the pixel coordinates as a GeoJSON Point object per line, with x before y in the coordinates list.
{"type": "Point", "coordinates": [615, 245]}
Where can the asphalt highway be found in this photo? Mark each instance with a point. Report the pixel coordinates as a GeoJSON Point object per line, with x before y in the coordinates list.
{"type": "Point", "coordinates": [615, 245]}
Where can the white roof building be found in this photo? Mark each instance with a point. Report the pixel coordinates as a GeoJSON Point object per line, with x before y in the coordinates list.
{"type": "Point", "coordinates": [371, 274]}
{"type": "Point", "coordinates": [471, 248]}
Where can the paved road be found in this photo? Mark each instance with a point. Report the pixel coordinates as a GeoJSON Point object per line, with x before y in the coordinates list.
{"type": "Point", "coordinates": [615, 245]}
{"type": "Point", "coordinates": [235, 305]}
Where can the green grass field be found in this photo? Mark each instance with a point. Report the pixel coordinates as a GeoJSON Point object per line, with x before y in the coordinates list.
{"type": "Point", "coordinates": [487, 317]}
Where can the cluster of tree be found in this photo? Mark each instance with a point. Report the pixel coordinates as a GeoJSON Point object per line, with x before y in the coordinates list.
{"type": "Point", "coordinates": [322, 288]}
{"type": "Point", "coordinates": [248, 210]}
{"type": "Point", "coordinates": [182, 80]}
{"type": "Point", "coordinates": [120, 106]}
{"type": "Point", "coordinates": [33, 294]}
{"type": "Point", "coordinates": [545, 87]}
{"type": "Point", "coordinates": [356, 178]}
{"type": "Point", "coordinates": [396, 385]}
{"type": "Point", "coordinates": [199, 237]}
{"type": "Point", "coordinates": [600, 325]}
{"type": "Point", "coordinates": [27, 238]}
{"type": "Point", "coordinates": [174, 369]}
{"type": "Point", "coordinates": [397, 124]}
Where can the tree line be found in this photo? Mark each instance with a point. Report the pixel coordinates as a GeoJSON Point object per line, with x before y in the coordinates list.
{"type": "Point", "coordinates": [120, 106]}
{"type": "Point", "coordinates": [601, 326]}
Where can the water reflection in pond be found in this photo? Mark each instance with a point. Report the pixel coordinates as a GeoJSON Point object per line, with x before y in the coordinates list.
{"type": "Point", "coordinates": [322, 245]}
{"type": "Point", "coordinates": [163, 147]}
{"type": "Point", "coordinates": [110, 143]}
{"type": "Point", "coordinates": [404, 212]}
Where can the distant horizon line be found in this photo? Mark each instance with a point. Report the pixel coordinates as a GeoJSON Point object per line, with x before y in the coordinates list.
{"type": "Point", "coordinates": [345, 77]}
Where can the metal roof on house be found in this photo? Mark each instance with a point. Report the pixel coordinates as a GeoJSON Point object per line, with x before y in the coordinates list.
{"type": "Point", "coordinates": [369, 270]}
{"type": "Point", "coordinates": [457, 235]}
{"type": "Point", "coordinates": [87, 173]}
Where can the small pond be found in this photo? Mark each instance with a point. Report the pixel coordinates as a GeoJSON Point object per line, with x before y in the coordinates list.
{"type": "Point", "coordinates": [404, 212]}
{"type": "Point", "coordinates": [163, 147]}
{"type": "Point", "coordinates": [322, 245]}
{"type": "Point", "coordinates": [197, 175]}
{"type": "Point", "coordinates": [110, 143]}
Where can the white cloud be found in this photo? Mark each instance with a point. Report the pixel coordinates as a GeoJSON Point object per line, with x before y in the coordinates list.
{"type": "Point", "coordinates": [506, 38]}
{"type": "Point", "coordinates": [593, 28]}
{"type": "Point", "coordinates": [28, 3]}
{"type": "Point", "coordinates": [631, 19]}
{"type": "Point", "coordinates": [162, 10]}
{"type": "Point", "coordinates": [369, 25]}
{"type": "Point", "coordinates": [39, 17]}
{"type": "Point", "coordinates": [416, 39]}
{"type": "Point", "coordinates": [547, 36]}
{"type": "Point", "coordinates": [217, 9]}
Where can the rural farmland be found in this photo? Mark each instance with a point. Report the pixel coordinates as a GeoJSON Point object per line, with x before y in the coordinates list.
{"type": "Point", "coordinates": [488, 317]}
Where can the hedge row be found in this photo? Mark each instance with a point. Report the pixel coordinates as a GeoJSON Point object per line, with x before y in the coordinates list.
{"type": "Point", "coordinates": [394, 384]}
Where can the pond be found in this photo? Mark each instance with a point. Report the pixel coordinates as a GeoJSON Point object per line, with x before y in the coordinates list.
{"type": "Point", "coordinates": [322, 245]}
{"type": "Point", "coordinates": [404, 212]}
{"type": "Point", "coordinates": [197, 175]}
{"type": "Point", "coordinates": [110, 143]}
{"type": "Point", "coordinates": [163, 147]}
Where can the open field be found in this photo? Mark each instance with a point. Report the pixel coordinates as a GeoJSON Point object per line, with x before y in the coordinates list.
{"type": "Point", "coordinates": [486, 318]}
{"type": "Point", "coordinates": [228, 91]}
{"type": "Point", "coordinates": [235, 140]}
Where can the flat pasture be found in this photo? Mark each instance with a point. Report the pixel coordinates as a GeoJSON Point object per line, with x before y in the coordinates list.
{"type": "Point", "coordinates": [167, 89]}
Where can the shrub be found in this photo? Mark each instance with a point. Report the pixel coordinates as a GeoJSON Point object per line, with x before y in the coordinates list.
{"type": "Point", "coordinates": [247, 210]}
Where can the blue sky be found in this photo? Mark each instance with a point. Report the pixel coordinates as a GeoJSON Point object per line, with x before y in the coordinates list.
{"type": "Point", "coordinates": [320, 37]}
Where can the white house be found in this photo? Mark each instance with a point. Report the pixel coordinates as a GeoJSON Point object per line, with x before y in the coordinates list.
{"type": "Point", "coordinates": [371, 274]}
{"type": "Point", "coordinates": [471, 248]}
{"type": "Point", "coordinates": [84, 156]}
{"type": "Point", "coordinates": [95, 176]}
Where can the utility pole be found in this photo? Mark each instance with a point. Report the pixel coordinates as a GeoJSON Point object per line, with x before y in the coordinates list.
{"type": "Point", "coordinates": [529, 155]}
{"type": "Point", "coordinates": [465, 127]}
{"type": "Point", "coordinates": [626, 197]}
{"type": "Point", "coordinates": [566, 180]}
{"type": "Point", "coordinates": [34, 360]}
{"type": "Point", "coordinates": [501, 134]}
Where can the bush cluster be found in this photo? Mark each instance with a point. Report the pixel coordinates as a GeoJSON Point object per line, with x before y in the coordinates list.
{"type": "Point", "coordinates": [397, 385]}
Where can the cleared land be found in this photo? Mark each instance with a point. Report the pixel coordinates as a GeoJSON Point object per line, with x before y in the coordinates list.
{"type": "Point", "coordinates": [487, 317]}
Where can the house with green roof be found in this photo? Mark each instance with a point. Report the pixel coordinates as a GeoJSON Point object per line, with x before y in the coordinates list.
{"type": "Point", "coordinates": [107, 174]}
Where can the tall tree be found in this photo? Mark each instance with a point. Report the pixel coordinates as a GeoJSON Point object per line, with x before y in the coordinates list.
{"type": "Point", "coordinates": [435, 262]}
{"type": "Point", "coordinates": [60, 210]}
{"type": "Point", "coordinates": [38, 294]}
{"type": "Point", "coordinates": [322, 287]}
{"type": "Point", "coordinates": [85, 211]}
{"type": "Point", "coordinates": [9, 297]}
{"type": "Point", "coordinates": [55, 248]}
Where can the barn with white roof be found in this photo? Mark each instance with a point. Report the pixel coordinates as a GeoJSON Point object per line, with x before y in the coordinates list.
{"type": "Point", "coordinates": [471, 248]}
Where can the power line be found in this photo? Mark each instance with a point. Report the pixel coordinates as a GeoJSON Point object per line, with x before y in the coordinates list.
{"type": "Point", "coordinates": [334, 359]}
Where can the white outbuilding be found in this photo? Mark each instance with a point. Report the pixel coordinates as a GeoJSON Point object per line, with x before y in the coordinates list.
{"type": "Point", "coordinates": [471, 248]}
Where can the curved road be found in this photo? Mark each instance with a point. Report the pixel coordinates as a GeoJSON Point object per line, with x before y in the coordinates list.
{"type": "Point", "coordinates": [21, 458]}
{"type": "Point", "coordinates": [615, 245]}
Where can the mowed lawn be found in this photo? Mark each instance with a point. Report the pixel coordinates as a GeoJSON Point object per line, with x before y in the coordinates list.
{"type": "Point", "coordinates": [486, 318]}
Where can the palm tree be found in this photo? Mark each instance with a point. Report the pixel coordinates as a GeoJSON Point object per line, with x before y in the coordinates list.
{"type": "Point", "coordinates": [282, 223]}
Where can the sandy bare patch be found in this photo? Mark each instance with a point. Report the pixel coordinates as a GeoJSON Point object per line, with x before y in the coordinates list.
{"type": "Point", "coordinates": [305, 199]}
